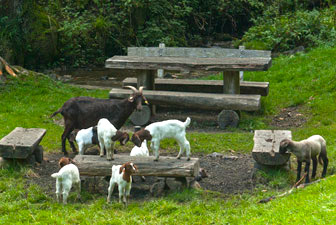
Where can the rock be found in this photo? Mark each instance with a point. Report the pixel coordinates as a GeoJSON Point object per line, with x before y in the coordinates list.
{"type": "Point", "coordinates": [3, 162]}
{"type": "Point", "coordinates": [195, 185]}
{"type": "Point", "coordinates": [158, 188]}
{"type": "Point", "coordinates": [215, 154]}
{"type": "Point", "coordinates": [174, 185]}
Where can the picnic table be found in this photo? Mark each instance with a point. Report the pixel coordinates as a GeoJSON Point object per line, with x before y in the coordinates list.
{"type": "Point", "coordinates": [146, 61]}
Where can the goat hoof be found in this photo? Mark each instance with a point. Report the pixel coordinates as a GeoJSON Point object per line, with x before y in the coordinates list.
{"type": "Point", "coordinates": [101, 155]}
{"type": "Point", "coordinates": [188, 159]}
{"type": "Point", "coordinates": [156, 160]}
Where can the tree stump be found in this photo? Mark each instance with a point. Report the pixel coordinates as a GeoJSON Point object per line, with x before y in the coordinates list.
{"type": "Point", "coordinates": [228, 118]}
{"type": "Point", "coordinates": [140, 118]}
{"type": "Point", "coordinates": [266, 147]}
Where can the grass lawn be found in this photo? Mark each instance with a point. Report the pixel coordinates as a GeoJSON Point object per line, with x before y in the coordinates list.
{"type": "Point", "coordinates": [306, 80]}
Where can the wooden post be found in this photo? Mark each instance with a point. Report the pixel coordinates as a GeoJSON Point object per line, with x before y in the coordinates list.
{"type": "Point", "coordinates": [160, 72]}
{"type": "Point", "coordinates": [231, 82]}
{"type": "Point", "coordinates": [146, 79]}
{"type": "Point", "coordinates": [241, 73]}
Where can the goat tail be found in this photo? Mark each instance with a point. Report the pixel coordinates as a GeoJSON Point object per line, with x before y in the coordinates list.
{"type": "Point", "coordinates": [55, 175]}
{"type": "Point", "coordinates": [187, 122]}
{"type": "Point", "coordinates": [55, 113]}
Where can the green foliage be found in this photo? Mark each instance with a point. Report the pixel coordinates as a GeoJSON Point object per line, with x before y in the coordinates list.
{"type": "Point", "coordinates": [290, 30]}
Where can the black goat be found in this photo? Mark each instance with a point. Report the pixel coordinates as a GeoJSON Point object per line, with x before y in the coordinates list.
{"type": "Point", "coordinates": [84, 112]}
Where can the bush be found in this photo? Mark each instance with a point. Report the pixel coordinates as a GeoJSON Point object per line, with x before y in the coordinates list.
{"type": "Point", "coordinates": [300, 28]}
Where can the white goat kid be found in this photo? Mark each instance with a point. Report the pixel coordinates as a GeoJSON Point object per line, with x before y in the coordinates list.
{"type": "Point", "coordinates": [155, 132]}
{"type": "Point", "coordinates": [122, 175]}
{"type": "Point", "coordinates": [140, 151]}
{"type": "Point", "coordinates": [67, 176]}
{"type": "Point", "coordinates": [107, 135]}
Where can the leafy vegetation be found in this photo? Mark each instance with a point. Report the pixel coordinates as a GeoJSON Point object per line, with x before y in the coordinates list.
{"type": "Point", "coordinates": [305, 80]}
{"type": "Point", "coordinates": [64, 33]}
{"type": "Point", "coordinates": [293, 29]}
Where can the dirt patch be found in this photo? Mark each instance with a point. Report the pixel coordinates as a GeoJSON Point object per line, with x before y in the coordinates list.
{"type": "Point", "coordinates": [289, 118]}
{"type": "Point", "coordinates": [227, 174]}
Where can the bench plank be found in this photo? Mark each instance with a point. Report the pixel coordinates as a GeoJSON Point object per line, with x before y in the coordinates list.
{"type": "Point", "coordinates": [266, 147]}
{"type": "Point", "coordinates": [21, 142]}
{"type": "Point", "coordinates": [196, 100]}
{"type": "Point", "coordinates": [205, 86]}
{"type": "Point", "coordinates": [196, 52]}
{"type": "Point", "coordinates": [92, 165]}
{"type": "Point", "coordinates": [189, 64]}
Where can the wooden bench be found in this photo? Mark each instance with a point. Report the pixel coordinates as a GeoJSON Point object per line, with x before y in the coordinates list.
{"type": "Point", "coordinates": [266, 147]}
{"type": "Point", "coordinates": [23, 143]}
{"type": "Point", "coordinates": [229, 61]}
{"type": "Point", "coordinates": [92, 165]}
{"type": "Point", "coordinates": [202, 86]}
{"type": "Point", "coordinates": [195, 100]}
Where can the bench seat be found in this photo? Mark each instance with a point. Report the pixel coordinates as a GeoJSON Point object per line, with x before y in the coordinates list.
{"type": "Point", "coordinates": [195, 100]}
{"type": "Point", "coordinates": [205, 86]}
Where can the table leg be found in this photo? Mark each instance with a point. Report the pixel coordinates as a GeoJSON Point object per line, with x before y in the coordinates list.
{"type": "Point", "coordinates": [146, 79]}
{"type": "Point", "coordinates": [231, 85]}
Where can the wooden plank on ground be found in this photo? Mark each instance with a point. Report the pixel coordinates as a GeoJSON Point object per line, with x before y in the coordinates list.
{"type": "Point", "coordinates": [21, 142]}
{"type": "Point", "coordinates": [189, 64]}
{"type": "Point", "coordinates": [92, 165]}
{"type": "Point", "coordinates": [196, 100]}
{"type": "Point", "coordinates": [266, 147]}
{"type": "Point", "coordinates": [204, 86]}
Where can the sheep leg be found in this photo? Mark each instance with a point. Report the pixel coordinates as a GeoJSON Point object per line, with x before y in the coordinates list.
{"type": "Point", "coordinates": [110, 190]}
{"type": "Point", "coordinates": [325, 165]}
{"type": "Point", "coordinates": [314, 166]}
{"type": "Point", "coordinates": [307, 171]}
{"type": "Point", "coordinates": [299, 165]}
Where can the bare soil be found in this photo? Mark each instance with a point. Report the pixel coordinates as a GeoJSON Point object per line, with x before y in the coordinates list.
{"type": "Point", "coordinates": [227, 174]}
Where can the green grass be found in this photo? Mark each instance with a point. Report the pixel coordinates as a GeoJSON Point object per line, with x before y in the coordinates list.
{"type": "Point", "coordinates": [305, 80]}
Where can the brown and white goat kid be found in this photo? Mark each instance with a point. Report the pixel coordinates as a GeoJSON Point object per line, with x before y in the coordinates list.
{"type": "Point", "coordinates": [155, 132]}
{"type": "Point", "coordinates": [65, 161]}
{"type": "Point", "coordinates": [67, 175]}
{"type": "Point", "coordinates": [122, 176]}
{"type": "Point", "coordinates": [305, 151]}
{"type": "Point", "coordinates": [107, 135]}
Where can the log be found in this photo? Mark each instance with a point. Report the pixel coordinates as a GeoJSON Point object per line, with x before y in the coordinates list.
{"type": "Point", "coordinates": [227, 118]}
{"type": "Point", "coordinates": [204, 86]}
{"type": "Point", "coordinates": [188, 64]}
{"type": "Point", "coordinates": [21, 142]}
{"type": "Point", "coordinates": [266, 147]}
{"type": "Point", "coordinates": [196, 100]}
{"type": "Point", "coordinates": [92, 165]}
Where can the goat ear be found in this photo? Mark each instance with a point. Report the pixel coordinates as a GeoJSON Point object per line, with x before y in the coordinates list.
{"type": "Point", "coordinates": [125, 139]}
{"type": "Point", "coordinates": [131, 99]}
{"type": "Point", "coordinates": [117, 136]}
{"type": "Point", "coordinates": [121, 168]}
{"type": "Point", "coordinates": [135, 167]}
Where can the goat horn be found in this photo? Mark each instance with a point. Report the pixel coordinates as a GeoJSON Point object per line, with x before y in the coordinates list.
{"type": "Point", "coordinates": [132, 88]}
{"type": "Point", "coordinates": [140, 89]}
